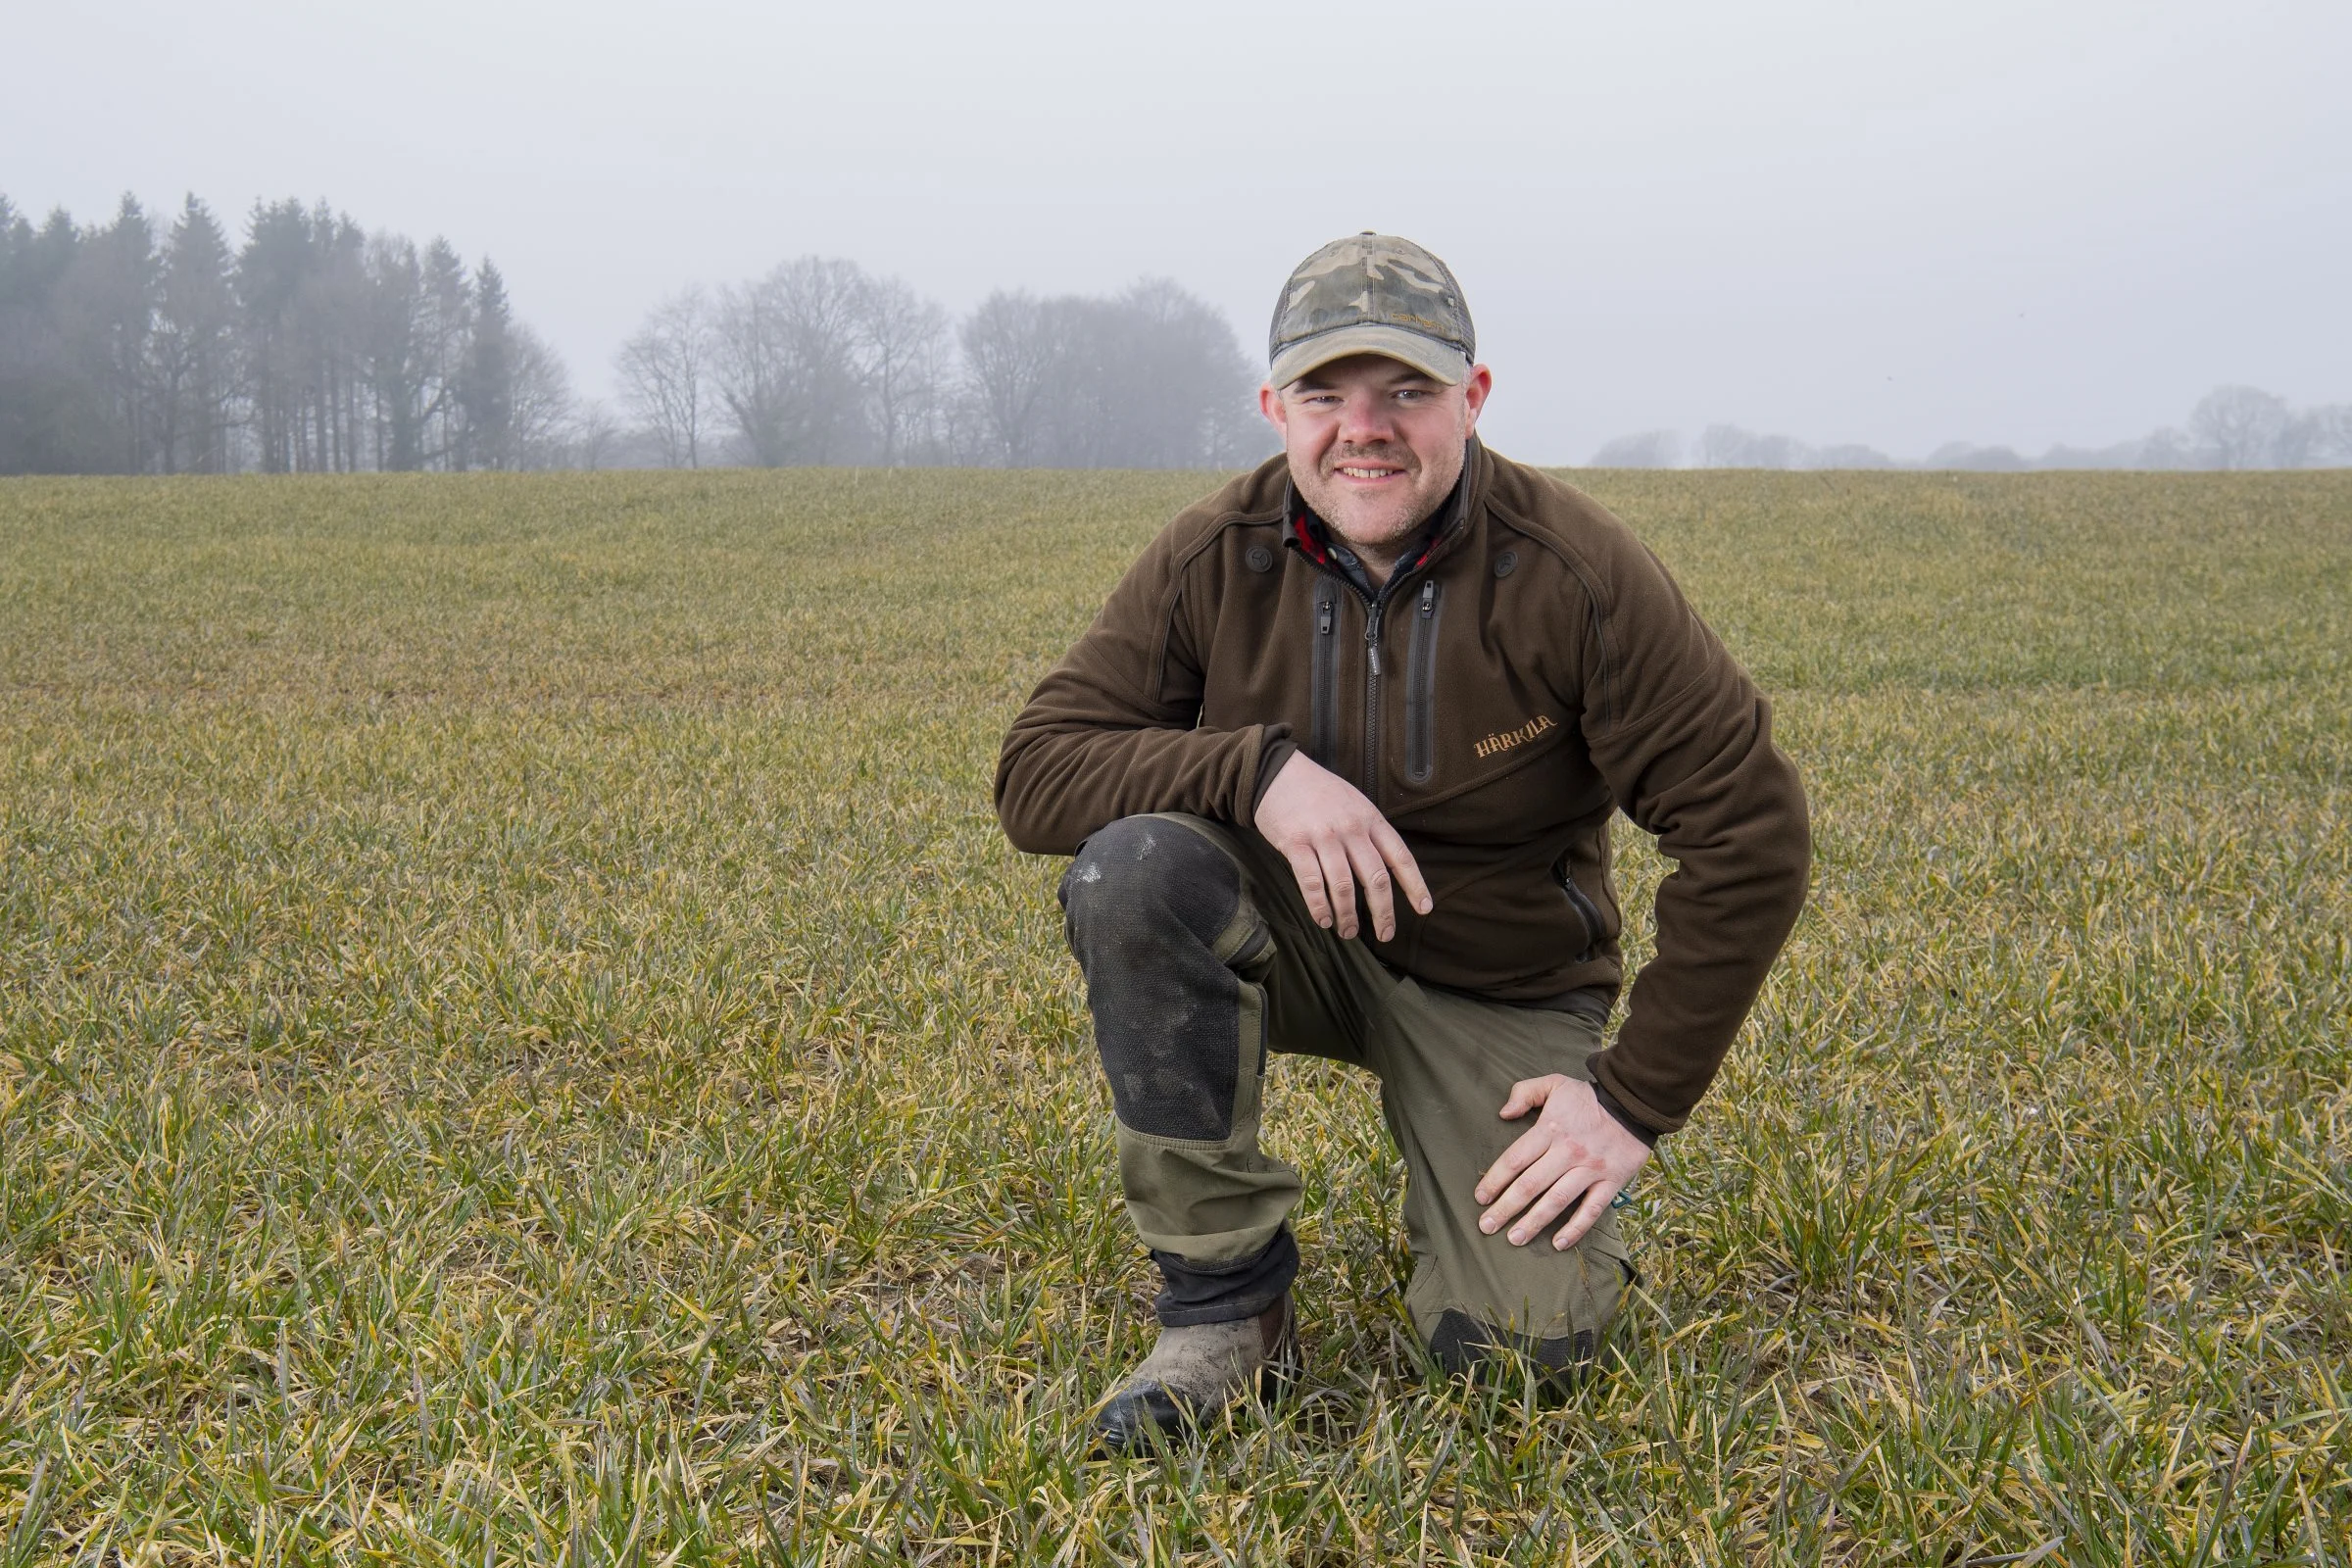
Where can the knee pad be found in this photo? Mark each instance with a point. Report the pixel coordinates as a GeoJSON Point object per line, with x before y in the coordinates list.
{"type": "Point", "coordinates": [1150, 872]}
{"type": "Point", "coordinates": [1147, 900]}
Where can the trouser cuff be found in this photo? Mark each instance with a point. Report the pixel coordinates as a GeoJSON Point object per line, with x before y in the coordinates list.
{"type": "Point", "coordinates": [1224, 1293]}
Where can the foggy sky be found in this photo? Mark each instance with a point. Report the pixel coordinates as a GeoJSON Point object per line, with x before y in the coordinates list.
{"type": "Point", "coordinates": [1997, 223]}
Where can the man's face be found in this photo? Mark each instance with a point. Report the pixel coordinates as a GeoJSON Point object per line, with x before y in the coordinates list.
{"type": "Point", "coordinates": [1375, 445]}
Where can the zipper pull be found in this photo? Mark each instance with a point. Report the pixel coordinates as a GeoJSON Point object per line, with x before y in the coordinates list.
{"type": "Point", "coordinates": [1429, 596]}
{"type": "Point", "coordinates": [1372, 637]}
{"type": "Point", "coordinates": [1323, 618]}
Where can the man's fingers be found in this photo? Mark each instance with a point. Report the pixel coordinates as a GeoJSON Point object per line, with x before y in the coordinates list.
{"type": "Point", "coordinates": [1524, 1152]}
{"type": "Point", "coordinates": [1577, 1183]}
{"type": "Point", "coordinates": [1587, 1213]}
{"type": "Point", "coordinates": [1533, 1184]}
{"type": "Point", "coordinates": [1374, 871]}
{"type": "Point", "coordinates": [1309, 872]}
{"type": "Point", "coordinates": [1338, 879]}
{"type": "Point", "coordinates": [1401, 860]}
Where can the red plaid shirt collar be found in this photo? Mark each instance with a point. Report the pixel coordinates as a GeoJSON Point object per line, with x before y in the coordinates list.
{"type": "Point", "coordinates": [1313, 535]}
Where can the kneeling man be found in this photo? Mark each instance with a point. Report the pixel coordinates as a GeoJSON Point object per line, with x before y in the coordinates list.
{"type": "Point", "coordinates": [1336, 762]}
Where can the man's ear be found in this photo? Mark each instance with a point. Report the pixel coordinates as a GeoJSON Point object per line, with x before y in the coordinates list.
{"type": "Point", "coordinates": [1475, 387]}
{"type": "Point", "coordinates": [1269, 404]}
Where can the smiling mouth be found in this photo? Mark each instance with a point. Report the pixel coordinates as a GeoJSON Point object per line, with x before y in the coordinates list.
{"type": "Point", "coordinates": [1353, 471]}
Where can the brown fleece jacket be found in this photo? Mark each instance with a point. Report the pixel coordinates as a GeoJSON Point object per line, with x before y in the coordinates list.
{"type": "Point", "coordinates": [1535, 672]}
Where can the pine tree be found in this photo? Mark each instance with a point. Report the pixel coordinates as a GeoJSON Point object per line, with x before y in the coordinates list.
{"type": "Point", "coordinates": [191, 355]}
{"type": "Point", "coordinates": [270, 275]}
{"type": "Point", "coordinates": [446, 313]}
{"type": "Point", "coordinates": [487, 391]}
{"type": "Point", "coordinates": [394, 361]}
{"type": "Point", "coordinates": [107, 309]}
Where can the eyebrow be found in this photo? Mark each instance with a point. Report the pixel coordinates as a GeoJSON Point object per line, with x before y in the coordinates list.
{"type": "Point", "coordinates": [1312, 382]}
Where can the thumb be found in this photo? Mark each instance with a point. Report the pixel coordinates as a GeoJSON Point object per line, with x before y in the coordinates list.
{"type": "Point", "coordinates": [1525, 1096]}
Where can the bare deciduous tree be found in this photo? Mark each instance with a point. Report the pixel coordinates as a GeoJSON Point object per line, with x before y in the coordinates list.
{"type": "Point", "coordinates": [1149, 379]}
{"type": "Point", "coordinates": [1012, 347]}
{"type": "Point", "coordinates": [595, 435]}
{"type": "Point", "coordinates": [898, 335]}
{"type": "Point", "coordinates": [538, 402]}
{"type": "Point", "coordinates": [785, 362]}
{"type": "Point", "coordinates": [1651, 449]}
{"type": "Point", "coordinates": [1170, 381]}
{"type": "Point", "coordinates": [665, 373]}
{"type": "Point", "coordinates": [2240, 426]}
{"type": "Point", "coordinates": [1726, 446]}
{"type": "Point", "coordinates": [2331, 435]}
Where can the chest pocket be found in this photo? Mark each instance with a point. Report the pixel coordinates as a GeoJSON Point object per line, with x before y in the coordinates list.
{"type": "Point", "coordinates": [1420, 686]}
{"type": "Point", "coordinates": [1598, 928]}
{"type": "Point", "coordinates": [1324, 731]}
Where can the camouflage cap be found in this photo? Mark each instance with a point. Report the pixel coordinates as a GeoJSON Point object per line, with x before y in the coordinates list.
{"type": "Point", "coordinates": [1371, 294]}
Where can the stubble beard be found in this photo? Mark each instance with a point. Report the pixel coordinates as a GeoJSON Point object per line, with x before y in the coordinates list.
{"type": "Point", "coordinates": [1377, 523]}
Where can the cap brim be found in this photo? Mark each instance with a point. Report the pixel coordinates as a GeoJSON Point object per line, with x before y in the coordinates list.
{"type": "Point", "coordinates": [1437, 361]}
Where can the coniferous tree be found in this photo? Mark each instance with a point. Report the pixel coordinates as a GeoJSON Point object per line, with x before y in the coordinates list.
{"type": "Point", "coordinates": [105, 308]}
{"type": "Point", "coordinates": [269, 284]}
{"type": "Point", "coordinates": [445, 320]}
{"type": "Point", "coordinates": [52, 420]}
{"type": "Point", "coordinates": [333, 305]}
{"type": "Point", "coordinates": [486, 390]}
{"type": "Point", "coordinates": [192, 353]}
{"type": "Point", "coordinates": [393, 357]}
{"type": "Point", "coordinates": [310, 347]}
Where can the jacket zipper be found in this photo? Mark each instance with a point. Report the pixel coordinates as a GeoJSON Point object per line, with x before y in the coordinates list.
{"type": "Point", "coordinates": [1372, 699]}
{"type": "Point", "coordinates": [1325, 618]}
{"type": "Point", "coordinates": [1326, 648]}
{"type": "Point", "coordinates": [1586, 910]}
{"type": "Point", "coordinates": [1419, 687]}
{"type": "Point", "coordinates": [1323, 738]}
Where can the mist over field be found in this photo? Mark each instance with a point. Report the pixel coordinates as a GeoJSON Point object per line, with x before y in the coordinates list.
{"type": "Point", "coordinates": [1996, 237]}
{"type": "Point", "coordinates": [524, 528]}
{"type": "Point", "coordinates": [521, 1040]}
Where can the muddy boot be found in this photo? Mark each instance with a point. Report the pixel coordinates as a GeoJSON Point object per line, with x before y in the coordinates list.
{"type": "Point", "coordinates": [1196, 1372]}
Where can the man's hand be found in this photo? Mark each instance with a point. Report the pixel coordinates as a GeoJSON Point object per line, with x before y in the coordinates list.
{"type": "Point", "coordinates": [1574, 1148]}
{"type": "Point", "coordinates": [1337, 842]}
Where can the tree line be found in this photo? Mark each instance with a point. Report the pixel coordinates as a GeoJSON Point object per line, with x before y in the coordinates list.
{"type": "Point", "coordinates": [129, 347]}
{"type": "Point", "coordinates": [822, 362]}
{"type": "Point", "coordinates": [2230, 427]}
{"type": "Point", "coordinates": [308, 344]}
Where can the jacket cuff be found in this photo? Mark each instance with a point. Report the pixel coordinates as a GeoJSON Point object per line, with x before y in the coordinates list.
{"type": "Point", "coordinates": [1280, 749]}
{"type": "Point", "coordinates": [1649, 1136]}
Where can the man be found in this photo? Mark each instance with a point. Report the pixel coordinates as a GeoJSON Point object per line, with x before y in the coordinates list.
{"type": "Point", "coordinates": [1336, 762]}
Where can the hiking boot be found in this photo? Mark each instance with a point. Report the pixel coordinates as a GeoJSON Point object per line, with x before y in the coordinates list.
{"type": "Point", "coordinates": [1197, 1371]}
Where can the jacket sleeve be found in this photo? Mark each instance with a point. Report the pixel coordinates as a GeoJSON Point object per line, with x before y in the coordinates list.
{"type": "Point", "coordinates": [1683, 739]}
{"type": "Point", "coordinates": [1112, 731]}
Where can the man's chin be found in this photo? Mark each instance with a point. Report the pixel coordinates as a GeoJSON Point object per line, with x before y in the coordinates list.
{"type": "Point", "coordinates": [1370, 527]}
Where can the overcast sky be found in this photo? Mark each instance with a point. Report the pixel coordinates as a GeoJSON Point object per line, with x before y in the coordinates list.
{"type": "Point", "coordinates": [1899, 224]}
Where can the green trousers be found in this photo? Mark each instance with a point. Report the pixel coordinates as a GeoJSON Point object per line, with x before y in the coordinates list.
{"type": "Point", "coordinates": [1200, 962]}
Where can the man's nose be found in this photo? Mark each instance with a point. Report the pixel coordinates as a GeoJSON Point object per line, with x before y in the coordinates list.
{"type": "Point", "coordinates": [1364, 419]}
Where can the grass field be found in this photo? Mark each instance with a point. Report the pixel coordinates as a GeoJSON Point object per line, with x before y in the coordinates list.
{"type": "Point", "coordinates": [519, 1040]}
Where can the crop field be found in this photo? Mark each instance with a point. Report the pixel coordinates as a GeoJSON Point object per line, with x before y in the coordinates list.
{"type": "Point", "coordinates": [520, 1040]}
